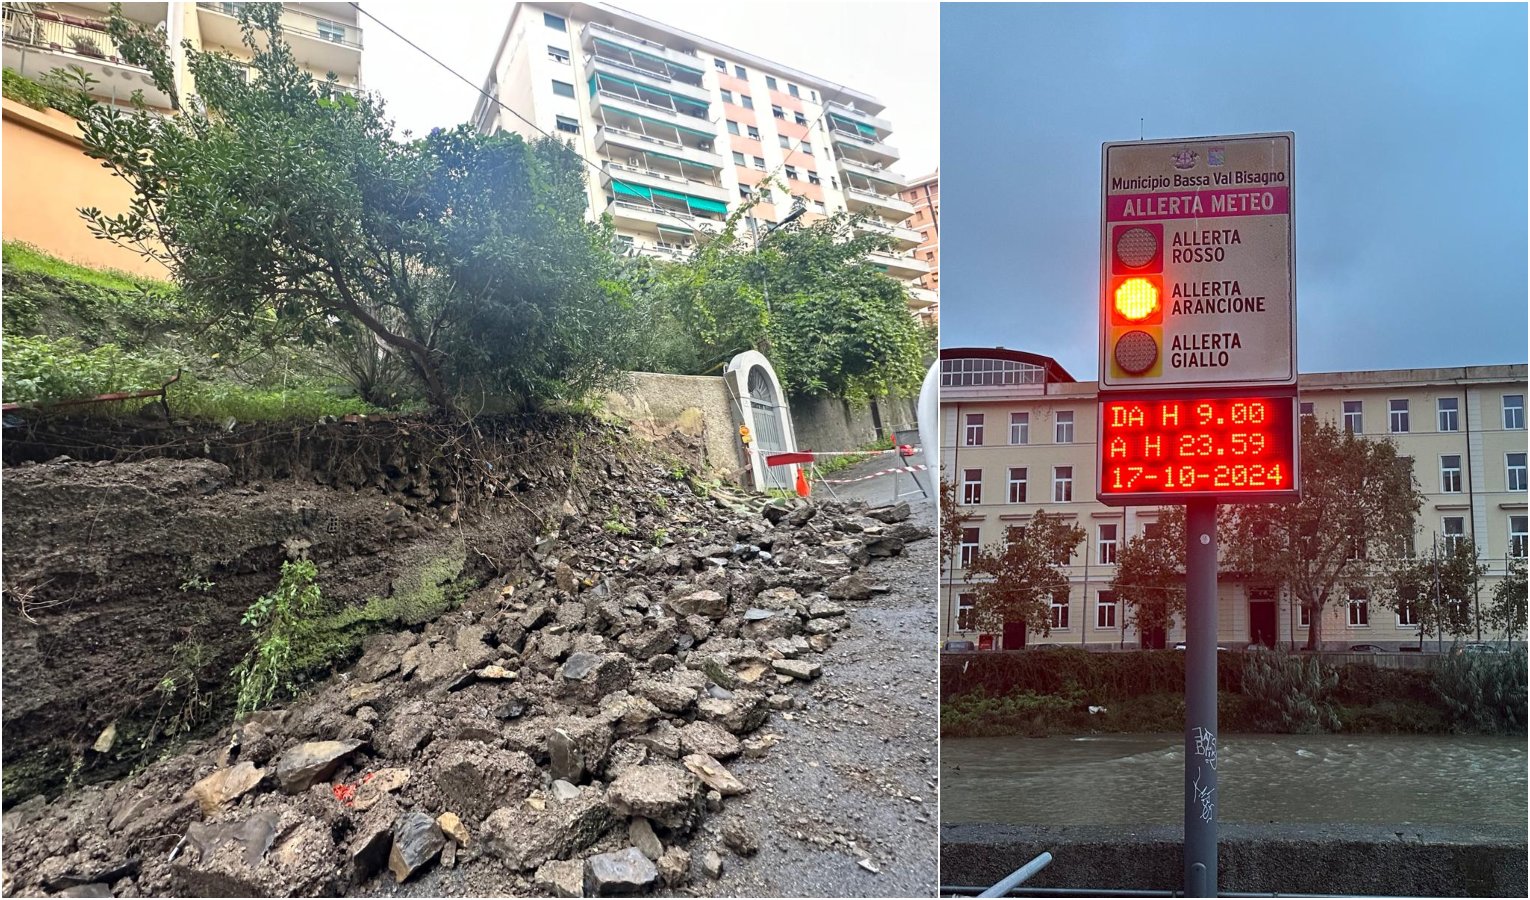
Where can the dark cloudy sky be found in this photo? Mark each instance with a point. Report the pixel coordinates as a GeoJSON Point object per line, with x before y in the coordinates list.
{"type": "Point", "coordinates": [1411, 162]}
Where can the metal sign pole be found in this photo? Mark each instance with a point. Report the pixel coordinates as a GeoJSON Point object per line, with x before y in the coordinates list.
{"type": "Point", "coordinates": [1201, 698]}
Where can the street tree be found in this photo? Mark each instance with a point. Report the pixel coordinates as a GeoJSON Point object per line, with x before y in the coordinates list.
{"type": "Point", "coordinates": [1356, 513]}
{"type": "Point", "coordinates": [952, 519]}
{"type": "Point", "coordinates": [1150, 573]}
{"type": "Point", "coordinates": [1435, 589]}
{"type": "Point", "coordinates": [1507, 610]}
{"type": "Point", "coordinates": [1023, 573]}
{"type": "Point", "coordinates": [283, 203]}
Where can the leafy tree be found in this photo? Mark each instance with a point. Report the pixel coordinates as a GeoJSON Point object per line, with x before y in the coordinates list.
{"type": "Point", "coordinates": [1359, 500]}
{"type": "Point", "coordinates": [1437, 588]}
{"type": "Point", "coordinates": [285, 206]}
{"type": "Point", "coordinates": [952, 520]}
{"type": "Point", "coordinates": [1150, 573]}
{"type": "Point", "coordinates": [1024, 573]}
{"type": "Point", "coordinates": [1506, 613]}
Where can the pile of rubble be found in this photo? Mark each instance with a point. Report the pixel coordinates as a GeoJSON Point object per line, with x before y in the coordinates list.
{"type": "Point", "coordinates": [560, 734]}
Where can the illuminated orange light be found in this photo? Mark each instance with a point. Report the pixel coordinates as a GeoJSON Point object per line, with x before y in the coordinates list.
{"type": "Point", "coordinates": [1136, 299]}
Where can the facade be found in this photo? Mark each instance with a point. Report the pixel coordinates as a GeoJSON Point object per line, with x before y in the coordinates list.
{"type": "Point", "coordinates": [684, 129]}
{"type": "Point", "coordinates": [1017, 436]}
{"type": "Point", "coordinates": [924, 194]}
{"type": "Point", "coordinates": [41, 37]}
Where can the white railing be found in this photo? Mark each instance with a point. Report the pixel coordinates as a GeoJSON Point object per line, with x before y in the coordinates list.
{"type": "Point", "coordinates": [678, 179]}
{"type": "Point", "coordinates": [639, 136]}
{"type": "Point", "coordinates": [672, 110]}
{"type": "Point", "coordinates": [596, 26]}
{"type": "Point", "coordinates": [84, 37]}
{"type": "Point", "coordinates": [303, 23]}
{"type": "Point", "coordinates": [597, 56]}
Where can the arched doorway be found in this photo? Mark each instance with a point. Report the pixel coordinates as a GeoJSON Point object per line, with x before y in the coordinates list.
{"type": "Point", "coordinates": [762, 408]}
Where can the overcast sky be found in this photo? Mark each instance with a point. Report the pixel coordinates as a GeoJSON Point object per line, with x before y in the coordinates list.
{"type": "Point", "coordinates": [888, 50]}
{"type": "Point", "coordinates": [1410, 187]}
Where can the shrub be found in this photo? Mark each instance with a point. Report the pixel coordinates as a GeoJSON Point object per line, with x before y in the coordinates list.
{"type": "Point", "coordinates": [1290, 694]}
{"type": "Point", "coordinates": [287, 640]}
{"type": "Point", "coordinates": [1485, 692]}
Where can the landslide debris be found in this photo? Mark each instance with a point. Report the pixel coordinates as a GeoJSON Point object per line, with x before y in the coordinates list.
{"type": "Point", "coordinates": [563, 733]}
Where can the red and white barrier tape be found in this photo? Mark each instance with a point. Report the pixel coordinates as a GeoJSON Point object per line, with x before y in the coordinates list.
{"type": "Point", "coordinates": [905, 450]}
{"type": "Point", "coordinates": [893, 471]}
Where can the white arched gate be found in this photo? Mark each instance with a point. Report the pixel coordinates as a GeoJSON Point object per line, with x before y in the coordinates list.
{"type": "Point", "coordinates": [762, 407]}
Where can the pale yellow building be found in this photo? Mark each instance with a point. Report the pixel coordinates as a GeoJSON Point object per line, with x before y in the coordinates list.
{"type": "Point", "coordinates": [924, 194]}
{"type": "Point", "coordinates": [1017, 436]}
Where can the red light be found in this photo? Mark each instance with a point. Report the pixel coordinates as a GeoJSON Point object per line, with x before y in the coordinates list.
{"type": "Point", "coordinates": [1201, 446]}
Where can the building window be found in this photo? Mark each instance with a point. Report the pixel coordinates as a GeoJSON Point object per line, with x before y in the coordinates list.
{"type": "Point", "coordinates": [972, 487]}
{"type": "Point", "coordinates": [969, 545]}
{"type": "Point", "coordinates": [1519, 536]}
{"type": "Point", "coordinates": [1450, 474]}
{"type": "Point", "coordinates": [1020, 428]}
{"type": "Point", "coordinates": [778, 112]}
{"type": "Point", "coordinates": [743, 191]}
{"type": "Point", "coordinates": [814, 94]}
{"type": "Point", "coordinates": [554, 22]}
{"type": "Point", "coordinates": [1062, 484]}
{"type": "Point", "coordinates": [1397, 416]}
{"type": "Point", "coordinates": [770, 82]}
{"type": "Point", "coordinates": [781, 138]}
{"type": "Point", "coordinates": [1359, 608]}
{"type": "Point", "coordinates": [759, 163]}
{"type": "Point", "coordinates": [721, 66]}
{"type": "Point", "coordinates": [557, 54]}
{"type": "Point", "coordinates": [799, 118]}
{"type": "Point", "coordinates": [1107, 546]}
{"type": "Point", "coordinates": [740, 71]}
{"type": "Point", "coordinates": [747, 101]}
{"type": "Point", "coordinates": [813, 178]}
{"type": "Point", "coordinates": [806, 148]}
{"type": "Point", "coordinates": [331, 31]}
{"type": "Point", "coordinates": [1065, 427]}
{"type": "Point", "coordinates": [753, 132]}
{"type": "Point", "coordinates": [792, 89]}
{"type": "Point", "coordinates": [569, 125]}
{"type": "Point", "coordinates": [1515, 464]}
{"type": "Point", "coordinates": [727, 95]}
{"type": "Point", "coordinates": [1455, 532]}
{"type": "Point", "coordinates": [974, 434]}
{"type": "Point", "coordinates": [1449, 414]}
{"type": "Point", "coordinates": [563, 88]}
{"type": "Point", "coordinates": [1105, 610]}
{"type": "Point", "coordinates": [1513, 411]}
{"type": "Point", "coordinates": [732, 127]}
{"type": "Point", "coordinates": [1060, 609]}
{"type": "Point", "coordinates": [1017, 478]}
{"type": "Point", "coordinates": [966, 612]}
{"type": "Point", "coordinates": [1307, 408]}
{"type": "Point", "coordinates": [1353, 417]}
{"type": "Point", "coordinates": [791, 173]}
{"type": "Point", "coordinates": [1407, 615]}
{"type": "Point", "coordinates": [738, 159]}
{"type": "Point", "coordinates": [1304, 616]}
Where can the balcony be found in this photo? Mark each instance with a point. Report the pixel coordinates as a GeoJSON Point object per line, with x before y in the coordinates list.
{"type": "Point", "coordinates": [896, 180]}
{"type": "Point", "coordinates": [655, 80]}
{"type": "Point", "coordinates": [861, 149]}
{"type": "Point", "coordinates": [859, 119]}
{"type": "Point", "coordinates": [649, 177]}
{"type": "Point", "coordinates": [922, 299]}
{"type": "Point", "coordinates": [36, 43]}
{"type": "Point", "coordinates": [322, 45]}
{"type": "Point", "coordinates": [899, 266]}
{"type": "Point", "coordinates": [883, 205]}
{"type": "Point", "coordinates": [903, 238]}
{"type": "Point", "coordinates": [651, 216]}
{"type": "Point", "coordinates": [640, 108]}
{"type": "Point", "coordinates": [634, 44]}
{"type": "Point", "coordinates": [617, 142]}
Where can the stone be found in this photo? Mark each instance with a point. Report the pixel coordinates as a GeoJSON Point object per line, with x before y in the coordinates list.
{"type": "Point", "coordinates": [451, 826]}
{"type": "Point", "coordinates": [755, 614]}
{"type": "Point", "coordinates": [666, 695]}
{"type": "Point", "coordinates": [106, 739]}
{"type": "Point", "coordinates": [662, 793]}
{"type": "Point", "coordinates": [890, 515]}
{"type": "Point", "coordinates": [564, 756]}
{"type": "Point", "coordinates": [474, 778]}
{"type": "Point", "coordinates": [301, 767]}
{"type": "Point", "coordinates": [628, 715]}
{"type": "Point", "coordinates": [801, 516]}
{"type": "Point", "coordinates": [560, 878]}
{"type": "Point", "coordinates": [713, 740]}
{"type": "Point", "coordinates": [674, 866]}
{"type": "Point", "coordinates": [711, 865]}
{"type": "Point", "coordinates": [417, 841]}
{"type": "Point", "coordinates": [869, 866]}
{"type": "Point", "coordinates": [624, 871]}
{"type": "Point", "coordinates": [850, 587]}
{"type": "Point", "coordinates": [575, 745]}
{"type": "Point", "coordinates": [563, 791]}
{"type": "Point", "coordinates": [740, 839]}
{"type": "Point", "coordinates": [87, 890]}
{"type": "Point", "coordinates": [375, 784]}
{"type": "Point", "coordinates": [714, 775]}
{"type": "Point", "coordinates": [823, 608]}
{"type": "Point", "coordinates": [524, 837]}
{"type": "Point", "coordinates": [710, 604]}
{"type": "Point", "coordinates": [644, 644]}
{"type": "Point", "coordinates": [759, 745]}
{"type": "Point", "coordinates": [797, 668]}
{"type": "Point", "coordinates": [816, 627]}
{"type": "Point", "coordinates": [579, 665]}
{"type": "Point", "coordinates": [640, 833]}
{"type": "Point", "coordinates": [587, 677]}
{"type": "Point", "coordinates": [781, 626]}
{"type": "Point", "coordinates": [625, 755]}
{"type": "Point", "coordinates": [245, 859]}
{"type": "Point", "coordinates": [663, 739]}
{"type": "Point", "coordinates": [373, 838]}
{"type": "Point", "coordinates": [740, 715]}
{"type": "Point", "coordinates": [225, 785]}
{"type": "Point", "coordinates": [820, 643]}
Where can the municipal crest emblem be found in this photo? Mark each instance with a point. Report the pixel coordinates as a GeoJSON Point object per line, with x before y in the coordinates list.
{"type": "Point", "coordinates": [1184, 159]}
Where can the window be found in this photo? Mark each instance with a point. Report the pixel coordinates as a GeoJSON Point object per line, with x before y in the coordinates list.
{"type": "Point", "coordinates": [1397, 416]}
{"type": "Point", "coordinates": [335, 32]}
{"type": "Point", "coordinates": [1017, 484]}
{"type": "Point", "coordinates": [1020, 428]}
{"type": "Point", "coordinates": [753, 131]}
{"type": "Point", "coordinates": [743, 191]}
{"type": "Point", "coordinates": [1152, 530]}
{"type": "Point", "coordinates": [1062, 484]}
{"type": "Point", "coordinates": [747, 100]}
{"type": "Point", "coordinates": [972, 487]}
{"type": "Point", "coordinates": [792, 89]}
{"type": "Point", "coordinates": [727, 95]}
{"type": "Point", "coordinates": [1407, 615]}
{"type": "Point", "coordinates": [721, 66]}
{"type": "Point", "coordinates": [740, 71]}
{"type": "Point", "coordinates": [1307, 408]}
{"type": "Point", "coordinates": [969, 545]}
{"type": "Point", "coordinates": [813, 94]}
{"type": "Point", "coordinates": [799, 118]}
{"type": "Point", "coordinates": [1352, 417]}
{"type": "Point", "coordinates": [738, 159]}
{"type": "Point", "coordinates": [1515, 464]}
{"type": "Point", "coordinates": [1449, 414]}
{"type": "Point", "coordinates": [1519, 536]}
{"type": "Point", "coordinates": [1304, 616]}
{"type": "Point", "coordinates": [1060, 609]}
{"type": "Point", "coordinates": [1359, 608]}
{"type": "Point", "coordinates": [563, 88]}
{"type": "Point", "coordinates": [1450, 474]}
{"type": "Point", "coordinates": [1065, 427]}
{"type": "Point", "coordinates": [759, 163]}
{"type": "Point", "coordinates": [732, 127]}
{"type": "Point", "coordinates": [569, 125]}
{"type": "Point", "coordinates": [782, 139]}
{"type": "Point", "coordinates": [778, 112]}
{"type": "Point", "coordinates": [791, 172]}
{"type": "Point", "coordinates": [974, 436]}
{"type": "Point", "coordinates": [1105, 610]}
{"type": "Point", "coordinates": [557, 54]}
{"type": "Point", "coordinates": [807, 148]}
{"type": "Point", "coordinates": [1514, 411]}
{"type": "Point", "coordinates": [770, 82]}
{"type": "Point", "coordinates": [814, 179]}
{"type": "Point", "coordinates": [554, 22]}
{"type": "Point", "coordinates": [1455, 531]}
{"type": "Point", "coordinates": [966, 612]}
{"type": "Point", "coordinates": [1107, 546]}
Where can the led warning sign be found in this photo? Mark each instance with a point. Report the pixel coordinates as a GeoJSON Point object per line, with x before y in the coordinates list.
{"type": "Point", "coordinates": [1158, 449]}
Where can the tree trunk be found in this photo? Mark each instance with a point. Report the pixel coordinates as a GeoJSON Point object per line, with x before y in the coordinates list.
{"type": "Point", "coordinates": [1314, 626]}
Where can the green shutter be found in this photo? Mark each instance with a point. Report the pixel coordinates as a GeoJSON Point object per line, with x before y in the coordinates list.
{"type": "Point", "coordinates": [631, 190]}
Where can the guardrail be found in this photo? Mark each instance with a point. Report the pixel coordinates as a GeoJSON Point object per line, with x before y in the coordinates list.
{"type": "Point", "coordinates": [81, 36]}
{"type": "Point", "coordinates": [667, 109]}
{"type": "Point", "coordinates": [298, 22]}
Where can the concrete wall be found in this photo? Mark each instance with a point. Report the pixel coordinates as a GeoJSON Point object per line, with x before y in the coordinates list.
{"type": "Point", "coordinates": [695, 407]}
{"type": "Point", "coordinates": [831, 424]}
{"type": "Point", "coordinates": [1376, 860]}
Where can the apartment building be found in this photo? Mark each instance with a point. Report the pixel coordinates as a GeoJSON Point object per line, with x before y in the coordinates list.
{"type": "Point", "coordinates": [924, 194]}
{"type": "Point", "coordinates": [1017, 436]}
{"type": "Point", "coordinates": [684, 128]}
{"type": "Point", "coordinates": [48, 178]}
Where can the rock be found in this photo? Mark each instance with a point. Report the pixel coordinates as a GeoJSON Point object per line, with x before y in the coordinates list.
{"type": "Point", "coordinates": [890, 514]}
{"type": "Point", "coordinates": [711, 865]}
{"type": "Point", "coordinates": [798, 669]}
{"type": "Point", "coordinates": [705, 737]}
{"type": "Point", "coordinates": [663, 739]}
{"type": "Point", "coordinates": [675, 866]}
{"type": "Point", "coordinates": [560, 878]}
{"type": "Point", "coordinates": [667, 696]}
{"type": "Point", "coordinates": [774, 512]}
{"type": "Point", "coordinates": [587, 677]}
{"type": "Point", "coordinates": [662, 793]}
{"type": "Point", "coordinates": [740, 715]}
{"type": "Point", "coordinates": [820, 609]}
{"type": "Point", "coordinates": [822, 626]}
{"type": "Point", "coordinates": [226, 784]}
{"type": "Point", "coordinates": [740, 839]}
{"type": "Point", "coordinates": [579, 665]}
{"type": "Point", "coordinates": [375, 784]}
{"type": "Point", "coordinates": [475, 779]}
{"type": "Point", "coordinates": [714, 775]}
{"type": "Point", "coordinates": [778, 626]}
{"type": "Point", "coordinates": [710, 604]}
{"type": "Point", "coordinates": [373, 838]}
{"type": "Point", "coordinates": [820, 643]}
{"type": "Point", "coordinates": [106, 739]}
{"type": "Point", "coordinates": [800, 517]}
{"type": "Point", "coordinates": [525, 838]}
{"type": "Point", "coordinates": [449, 855]}
{"type": "Point", "coordinates": [451, 826]}
{"type": "Point", "coordinates": [869, 866]}
{"type": "Point", "coordinates": [563, 791]}
{"type": "Point", "coordinates": [565, 758]}
{"type": "Point", "coordinates": [850, 587]}
{"type": "Point", "coordinates": [640, 833]}
{"type": "Point", "coordinates": [417, 841]}
{"type": "Point", "coordinates": [755, 614]}
{"type": "Point", "coordinates": [307, 764]}
{"type": "Point", "coordinates": [621, 872]}
{"type": "Point", "coordinates": [87, 890]}
{"type": "Point", "coordinates": [645, 644]}
{"type": "Point", "coordinates": [756, 747]}
{"type": "Point", "coordinates": [628, 715]}
{"type": "Point", "coordinates": [245, 859]}
{"type": "Point", "coordinates": [575, 745]}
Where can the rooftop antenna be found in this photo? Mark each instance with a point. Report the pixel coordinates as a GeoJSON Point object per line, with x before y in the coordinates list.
{"type": "Point", "coordinates": [1141, 129]}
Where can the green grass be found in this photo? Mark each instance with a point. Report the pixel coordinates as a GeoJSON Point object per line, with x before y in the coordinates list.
{"type": "Point", "coordinates": [21, 257]}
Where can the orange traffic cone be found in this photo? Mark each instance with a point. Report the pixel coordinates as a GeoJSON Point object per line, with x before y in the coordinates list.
{"type": "Point", "coordinates": [802, 483]}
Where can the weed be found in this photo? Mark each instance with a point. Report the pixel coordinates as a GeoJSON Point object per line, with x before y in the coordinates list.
{"type": "Point", "coordinates": [197, 583]}
{"type": "Point", "coordinates": [285, 635]}
{"type": "Point", "coordinates": [614, 527]}
{"type": "Point", "coordinates": [660, 535]}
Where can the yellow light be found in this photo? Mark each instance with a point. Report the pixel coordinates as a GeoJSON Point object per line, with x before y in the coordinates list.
{"type": "Point", "coordinates": [1136, 299]}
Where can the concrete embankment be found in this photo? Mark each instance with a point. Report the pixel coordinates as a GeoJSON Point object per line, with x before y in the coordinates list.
{"type": "Point", "coordinates": [1397, 861]}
